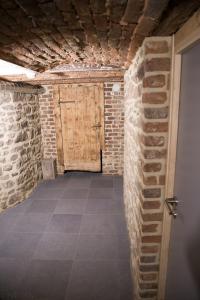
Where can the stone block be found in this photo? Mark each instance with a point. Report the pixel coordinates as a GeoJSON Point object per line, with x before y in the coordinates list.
{"type": "Point", "coordinates": [148, 276]}
{"type": "Point", "coordinates": [150, 249]}
{"type": "Point", "coordinates": [154, 98]}
{"type": "Point", "coordinates": [156, 47]}
{"type": "Point", "coordinates": [156, 113]}
{"type": "Point", "coordinates": [49, 168]}
{"type": "Point", "coordinates": [158, 64]}
{"type": "Point", "coordinates": [155, 127]}
{"type": "Point", "coordinates": [152, 141]}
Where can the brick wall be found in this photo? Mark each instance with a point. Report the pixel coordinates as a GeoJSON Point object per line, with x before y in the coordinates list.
{"type": "Point", "coordinates": [112, 155]}
{"type": "Point", "coordinates": [146, 126]}
{"type": "Point", "coordinates": [47, 119]}
{"type": "Point", "coordinates": [20, 142]}
{"type": "Point", "coordinates": [114, 128]}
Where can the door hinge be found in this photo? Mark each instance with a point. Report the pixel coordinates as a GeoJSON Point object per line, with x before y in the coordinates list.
{"type": "Point", "coordinates": [172, 204]}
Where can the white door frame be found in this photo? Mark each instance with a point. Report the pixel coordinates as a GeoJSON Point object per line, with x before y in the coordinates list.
{"type": "Point", "coordinates": [184, 38]}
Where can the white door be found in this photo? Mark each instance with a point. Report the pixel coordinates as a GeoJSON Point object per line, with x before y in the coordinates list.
{"type": "Point", "coordinates": [183, 277]}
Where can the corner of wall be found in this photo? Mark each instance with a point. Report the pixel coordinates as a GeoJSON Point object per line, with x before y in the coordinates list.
{"type": "Point", "coordinates": [147, 84]}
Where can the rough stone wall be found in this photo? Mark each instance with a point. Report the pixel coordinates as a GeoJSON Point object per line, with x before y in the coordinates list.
{"type": "Point", "coordinates": [20, 142]}
{"type": "Point", "coordinates": [146, 127]}
{"type": "Point", "coordinates": [112, 155]}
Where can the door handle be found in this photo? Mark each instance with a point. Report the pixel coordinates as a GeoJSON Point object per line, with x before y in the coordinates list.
{"type": "Point", "coordinates": [96, 126]}
{"type": "Point", "coordinates": [60, 102]}
{"type": "Point", "coordinates": [172, 204]}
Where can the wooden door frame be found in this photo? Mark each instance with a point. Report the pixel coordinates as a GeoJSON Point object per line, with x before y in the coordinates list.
{"type": "Point", "coordinates": [58, 122]}
{"type": "Point", "coordinates": [183, 39]}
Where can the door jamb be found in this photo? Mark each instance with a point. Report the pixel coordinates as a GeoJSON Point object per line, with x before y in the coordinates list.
{"type": "Point", "coordinates": [184, 38]}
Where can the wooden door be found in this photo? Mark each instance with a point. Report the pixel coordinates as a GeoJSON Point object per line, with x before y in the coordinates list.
{"type": "Point", "coordinates": [183, 277]}
{"type": "Point", "coordinates": [81, 113]}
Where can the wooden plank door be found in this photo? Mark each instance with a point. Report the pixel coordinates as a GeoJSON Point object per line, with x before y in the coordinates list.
{"type": "Point", "coordinates": [81, 107]}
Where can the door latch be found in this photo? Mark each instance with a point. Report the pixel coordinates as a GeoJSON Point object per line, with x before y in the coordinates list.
{"type": "Point", "coordinates": [65, 102]}
{"type": "Point", "coordinates": [172, 204]}
{"type": "Point", "coordinates": [96, 126]}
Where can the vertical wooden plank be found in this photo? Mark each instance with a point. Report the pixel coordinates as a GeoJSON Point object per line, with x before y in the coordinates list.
{"type": "Point", "coordinates": [101, 108]}
{"type": "Point", "coordinates": [97, 119]}
{"type": "Point", "coordinates": [68, 123]}
{"type": "Point", "coordinates": [59, 141]}
{"type": "Point", "coordinates": [86, 121]}
{"type": "Point", "coordinates": [95, 145]}
{"type": "Point", "coordinates": [78, 130]}
{"type": "Point", "coordinates": [170, 172]}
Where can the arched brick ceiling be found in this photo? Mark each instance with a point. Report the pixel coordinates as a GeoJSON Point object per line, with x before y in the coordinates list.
{"type": "Point", "coordinates": [41, 34]}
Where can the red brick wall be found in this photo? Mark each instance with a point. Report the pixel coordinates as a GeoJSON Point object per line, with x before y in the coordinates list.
{"type": "Point", "coordinates": [146, 130]}
{"type": "Point", "coordinates": [114, 128]}
{"type": "Point", "coordinates": [47, 120]}
{"type": "Point", "coordinates": [112, 155]}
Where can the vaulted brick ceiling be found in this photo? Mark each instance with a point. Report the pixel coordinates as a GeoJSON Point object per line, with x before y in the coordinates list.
{"type": "Point", "coordinates": [41, 34]}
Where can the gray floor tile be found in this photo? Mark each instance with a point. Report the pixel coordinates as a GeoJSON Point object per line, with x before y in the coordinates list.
{"type": "Point", "coordinates": [68, 223]}
{"type": "Point", "coordinates": [94, 280]}
{"type": "Point", "coordinates": [71, 206]}
{"type": "Point", "coordinates": [118, 194]}
{"type": "Point", "coordinates": [64, 176]}
{"type": "Point", "coordinates": [19, 244]}
{"type": "Point", "coordinates": [56, 183]}
{"type": "Point", "coordinates": [119, 222]}
{"type": "Point", "coordinates": [42, 206]}
{"type": "Point", "coordinates": [126, 282]}
{"type": "Point", "coordinates": [56, 246]}
{"type": "Point", "coordinates": [8, 221]}
{"type": "Point", "coordinates": [123, 247]}
{"type": "Point", "coordinates": [79, 182]}
{"type": "Point", "coordinates": [12, 271]}
{"type": "Point", "coordinates": [103, 224]}
{"type": "Point", "coordinates": [100, 193]}
{"type": "Point", "coordinates": [81, 174]}
{"type": "Point", "coordinates": [95, 206]}
{"type": "Point", "coordinates": [82, 221]}
{"type": "Point", "coordinates": [47, 194]}
{"type": "Point", "coordinates": [118, 182]}
{"type": "Point", "coordinates": [75, 194]}
{"type": "Point", "coordinates": [95, 247]}
{"type": "Point", "coordinates": [46, 280]}
{"type": "Point", "coordinates": [102, 183]}
{"type": "Point", "coordinates": [103, 177]}
{"type": "Point", "coordinates": [118, 188]}
{"type": "Point", "coordinates": [32, 222]}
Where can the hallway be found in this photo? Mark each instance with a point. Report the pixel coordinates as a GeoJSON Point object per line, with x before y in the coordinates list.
{"type": "Point", "coordinates": [68, 241]}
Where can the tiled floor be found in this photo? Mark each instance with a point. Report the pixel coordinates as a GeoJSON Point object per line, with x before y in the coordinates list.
{"type": "Point", "coordinates": [68, 241]}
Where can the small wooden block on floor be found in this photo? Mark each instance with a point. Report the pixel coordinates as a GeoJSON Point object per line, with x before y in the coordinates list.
{"type": "Point", "coordinates": [49, 169]}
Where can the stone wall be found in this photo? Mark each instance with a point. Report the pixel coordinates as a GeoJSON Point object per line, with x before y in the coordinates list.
{"type": "Point", "coordinates": [146, 127]}
{"type": "Point", "coordinates": [112, 155]}
{"type": "Point", "coordinates": [20, 142]}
